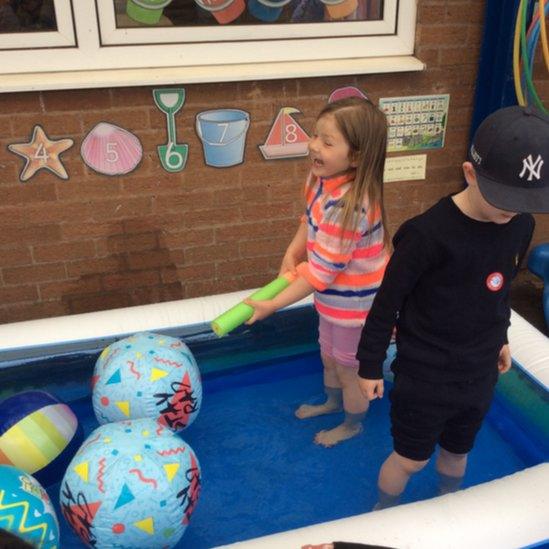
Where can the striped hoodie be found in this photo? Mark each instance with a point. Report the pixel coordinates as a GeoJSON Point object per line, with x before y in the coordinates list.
{"type": "Point", "coordinates": [345, 272]}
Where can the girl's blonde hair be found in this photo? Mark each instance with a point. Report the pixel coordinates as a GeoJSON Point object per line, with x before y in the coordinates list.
{"type": "Point", "coordinates": [364, 127]}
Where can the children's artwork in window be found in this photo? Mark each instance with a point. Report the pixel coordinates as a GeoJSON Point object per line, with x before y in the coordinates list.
{"type": "Point", "coordinates": [192, 13]}
{"type": "Point", "coordinates": [27, 16]}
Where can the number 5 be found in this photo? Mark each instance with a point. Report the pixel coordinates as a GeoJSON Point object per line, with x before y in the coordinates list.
{"type": "Point", "coordinates": [112, 153]}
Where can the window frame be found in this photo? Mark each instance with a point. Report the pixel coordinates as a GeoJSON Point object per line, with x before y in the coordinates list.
{"type": "Point", "coordinates": [92, 62]}
{"type": "Point", "coordinates": [63, 37]}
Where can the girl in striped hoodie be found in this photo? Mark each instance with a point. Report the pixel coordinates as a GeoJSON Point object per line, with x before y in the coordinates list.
{"type": "Point", "coordinates": [344, 238]}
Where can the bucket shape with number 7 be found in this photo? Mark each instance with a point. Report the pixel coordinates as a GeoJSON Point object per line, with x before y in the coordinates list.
{"type": "Point", "coordinates": [223, 135]}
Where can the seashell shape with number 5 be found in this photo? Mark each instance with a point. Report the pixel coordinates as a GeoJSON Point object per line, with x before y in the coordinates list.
{"type": "Point", "coordinates": [111, 150]}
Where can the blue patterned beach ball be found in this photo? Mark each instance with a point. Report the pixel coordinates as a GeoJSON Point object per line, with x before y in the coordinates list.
{"type": "Point", "coordinates": [26, 510]}
{"type": "Point", "coordinates": [132, 484]}
{"type": "Point", "coordinates": [147, 375]}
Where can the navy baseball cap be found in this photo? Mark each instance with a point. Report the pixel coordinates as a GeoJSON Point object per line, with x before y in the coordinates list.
{"type": "Point", "coordinates": [510, 153]}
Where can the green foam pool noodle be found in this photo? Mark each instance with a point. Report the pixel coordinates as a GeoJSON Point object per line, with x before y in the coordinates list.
{"type": "Point", "coordinates": [240, 313]}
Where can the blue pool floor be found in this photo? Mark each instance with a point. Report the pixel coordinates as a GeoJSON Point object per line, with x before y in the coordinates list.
{"type": "Point", "coordinates": [262, 473]}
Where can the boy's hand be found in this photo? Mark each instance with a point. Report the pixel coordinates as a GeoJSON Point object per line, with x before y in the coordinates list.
{"type": "Point", "coordinates": [371, 388]}
{"type": "Point", "coordinates": [504, 360]}
{"type": "Point", "coordinates": [262, 309]}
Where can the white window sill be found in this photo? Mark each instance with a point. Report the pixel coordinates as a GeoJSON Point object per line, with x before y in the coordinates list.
{"type": "Point", "coordinates": [203, 74]}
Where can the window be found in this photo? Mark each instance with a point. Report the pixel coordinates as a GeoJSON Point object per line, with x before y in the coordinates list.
{"type": "Point", "coordinates": [33, 24]}
{"type": "Point", "coordinates": [202, 40]}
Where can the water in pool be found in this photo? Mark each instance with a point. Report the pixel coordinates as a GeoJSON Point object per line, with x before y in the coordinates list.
{"type": "Point", "coordinates": [262, 472]}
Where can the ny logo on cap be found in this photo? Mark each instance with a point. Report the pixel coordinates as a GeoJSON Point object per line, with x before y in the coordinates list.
{"type": "Point", "coordinates": [533, 167]}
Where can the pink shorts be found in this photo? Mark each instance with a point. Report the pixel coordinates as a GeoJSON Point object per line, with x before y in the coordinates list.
{"type": "Point", "coordinates": [339, 342]}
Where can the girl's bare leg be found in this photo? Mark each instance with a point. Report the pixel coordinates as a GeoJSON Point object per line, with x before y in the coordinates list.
{"type": "Point", "coordinates": [354, 404]}
{"type": "Point", "coordinates": [332, 387]}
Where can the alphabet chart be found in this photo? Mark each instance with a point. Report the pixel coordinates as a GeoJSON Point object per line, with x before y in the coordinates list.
{"type": "Point", "coordinates": [415, 122]}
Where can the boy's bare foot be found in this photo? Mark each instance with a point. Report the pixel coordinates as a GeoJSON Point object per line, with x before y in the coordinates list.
{"type": "Point", "coordinates": [310, 410]}
{"type": "Point", "coordinates": [337, 434]}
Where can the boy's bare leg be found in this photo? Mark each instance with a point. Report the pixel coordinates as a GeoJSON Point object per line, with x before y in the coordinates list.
{"type": "Point", "coordinates": [451, 470]}
{"type": "Point", "coordinates": [354, 404]}
{"type": "Point", "coordinates": [393, 477]}
{"type": "Point", "coordinates": [333, 393]}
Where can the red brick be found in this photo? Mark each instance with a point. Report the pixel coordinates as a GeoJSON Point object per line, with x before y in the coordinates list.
{"type": "Point", "coordinates": [265, 246]}
{"type": "Point", "coordinates": [208, 287]}
{"type": "Point", "coordinates": [100, 265]}
{"type": "Point", "coordinates": [29, 235]}
{"type": "Point", "coordinates": [77, 100]}
{"type": "Point", "coordinates": [429, 56]}
{"type": "Point", "coordinates": [99, 302]}
{"type": "Point", "coordinates": [275, 210]}
{"type": "Point", "coordinates": [15, 294]}
{"type": "Point", "coordinates": [63, 251]}
{"type": "Point", "coordinates": [73, 231]}
{"type": "Point", "coordinates": [20, 102]}
{"type": "Point", "coordinates": [31, 311]}
{"type": "Point", "coordinates": [206, 95]}
{"type": "Point", "coordinates": [130, 280]}
{"type": "Point", "coordinates": [157, 183]}
{"type": "Point", "coordinates": [131, 120]}
{"type": "Point", "coordinates": [88, 187]}
{"type": "Point", "coordinates": [130, 97]}
{"type": "Point", "coordinates": [122, 207]}
{"type": "Point", "coordinates": [180, 239]}
{"type": "Point", "coordinates": [34, 273]}
{"type": "Point", "coordinates": [457, 56]}
{"type": "Point", "coordinates": [149, 259]}
{"type": "Point", "coordinates": [13, 257]}
{"type": "Point", "coordinates": [127, 243]}
{"type": "Point", "coordinates": [243, 231]}
{"type": "Point", "coordinates": [206, 254]}
{"type": "Point", "coordinates": [184, 201]}
{"type": "Point", "coordinates": [169, 275]}
{"type": "Point", "coordinates": [56, 126]}
{"type": "Point", "coordinates": [428, 14]}
{"type": "Point", "coordinates": [70, 288]}
{"type": "Point", "coordinates": [208, 218]}
{"type": "Point", "coordinates": [227, 269]}
{"type": "Point", "coordinates": [188, 273]}
{"type": "Point", "coordinates": [51, 213]}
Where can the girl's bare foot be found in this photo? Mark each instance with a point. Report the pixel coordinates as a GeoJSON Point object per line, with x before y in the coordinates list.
{"type": "Point", "coordinates": [337, 434]}
{"type": "Point", "coordinates": [310, 410]}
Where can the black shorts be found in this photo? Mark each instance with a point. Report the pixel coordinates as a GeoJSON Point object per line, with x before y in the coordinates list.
{"type": "Point", "coordinates": [424, 414]}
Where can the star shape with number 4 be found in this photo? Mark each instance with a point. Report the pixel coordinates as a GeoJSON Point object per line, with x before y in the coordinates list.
{"type": "Point", "coordinates": [41, 152]}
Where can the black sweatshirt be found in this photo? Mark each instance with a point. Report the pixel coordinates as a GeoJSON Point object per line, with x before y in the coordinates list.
{"type": "Point", "coordinates": [447, 290]}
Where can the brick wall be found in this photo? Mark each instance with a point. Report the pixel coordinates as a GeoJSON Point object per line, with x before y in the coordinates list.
{"type": "Point", "coordinates": [95, 242]}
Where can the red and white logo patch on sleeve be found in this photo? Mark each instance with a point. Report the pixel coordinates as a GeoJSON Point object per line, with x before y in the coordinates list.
{"type": "Point", "coordinates": [494, 282]}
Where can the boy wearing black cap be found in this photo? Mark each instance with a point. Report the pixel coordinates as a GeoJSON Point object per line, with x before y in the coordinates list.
{"type": "Point", "coordinates": [446, 288]}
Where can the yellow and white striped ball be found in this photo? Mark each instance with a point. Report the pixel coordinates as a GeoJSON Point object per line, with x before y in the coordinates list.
{"type": "Point", "coordinates": [38, 434]}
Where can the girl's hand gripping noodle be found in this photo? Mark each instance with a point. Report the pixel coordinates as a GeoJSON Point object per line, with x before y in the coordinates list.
{"type": "Point", "coordinates": [240, 313]}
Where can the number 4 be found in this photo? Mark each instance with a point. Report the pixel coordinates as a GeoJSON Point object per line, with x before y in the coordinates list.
{"type": "Point", "coordinates": [41, 153]}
